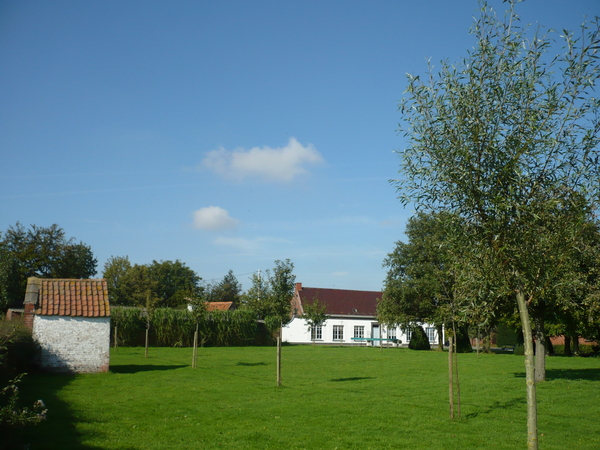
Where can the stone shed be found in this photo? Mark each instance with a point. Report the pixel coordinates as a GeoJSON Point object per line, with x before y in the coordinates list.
{"type": "Point", "coordinates": [70, 320]}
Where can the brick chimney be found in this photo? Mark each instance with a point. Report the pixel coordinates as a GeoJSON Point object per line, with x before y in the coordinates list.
{"type": "Point", "coordinates": [298, 287]}
{"type": "Point", "coordinates": [31, 299]}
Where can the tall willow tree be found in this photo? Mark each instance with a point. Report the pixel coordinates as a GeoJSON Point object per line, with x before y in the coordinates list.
{"type": "Point", "coordinates": [505, 139]}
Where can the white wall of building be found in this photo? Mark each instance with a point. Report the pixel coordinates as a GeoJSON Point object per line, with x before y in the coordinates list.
{"type": "Point", "coordinates": [297, 332]}
{"type": "Point", "coordinates": [73, 344]}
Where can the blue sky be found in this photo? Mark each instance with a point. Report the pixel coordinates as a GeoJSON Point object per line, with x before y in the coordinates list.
{"type": "Point", "coordinates": [224, 134]}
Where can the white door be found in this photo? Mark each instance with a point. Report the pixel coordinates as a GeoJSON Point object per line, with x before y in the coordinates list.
{"type": "Point", "coordinates": [375, 334]}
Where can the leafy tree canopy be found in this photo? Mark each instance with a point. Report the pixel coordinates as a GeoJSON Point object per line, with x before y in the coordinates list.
{"type": "Point", "coordinates": [45, 253]}
{"type": "Point", "coordinates": [170, 283]}
{"type": "Point", "coordinates": [227, 290]}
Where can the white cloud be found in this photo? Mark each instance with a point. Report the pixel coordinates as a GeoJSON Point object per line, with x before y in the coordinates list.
{"type": "Point", "coordinates": [266, 163]}
{"type": "Point", "coordinates": [213, 218]}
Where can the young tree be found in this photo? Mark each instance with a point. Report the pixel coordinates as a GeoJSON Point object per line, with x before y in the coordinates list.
{"type": "Point", "coordinates": [115, 270]}
{"type": "Point", "coordinates": [315, 315]}
{"type": "Point", "coordinates": [503, 140]}
{"type": "Point", "coordinates": [271, 299]}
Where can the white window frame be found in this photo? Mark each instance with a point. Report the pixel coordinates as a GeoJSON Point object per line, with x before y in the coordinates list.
{"type": "Point", "coordinates": [391, 333]}
{"type": "Point", "coordinates": [338, 332]}
{"type": "Point", "coordinates": [316, 333]}
{"type": "Point", "coordinates": [430, 332]}
{"type": "Point", "coordinates": [359, 331]}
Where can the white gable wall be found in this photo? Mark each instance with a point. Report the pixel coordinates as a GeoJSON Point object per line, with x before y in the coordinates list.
{"type": "Point", "coordinates": [297, 332]}
{"type": "Point", "coordinates": [73, 344]}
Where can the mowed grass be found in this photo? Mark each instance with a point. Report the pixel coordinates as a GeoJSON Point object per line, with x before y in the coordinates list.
{"type": "Point", "coordinates": [332, 397]}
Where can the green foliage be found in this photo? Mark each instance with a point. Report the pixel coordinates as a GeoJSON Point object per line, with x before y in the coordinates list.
{"type": "Point", "coordinates": [45, 253]}
{"type": "Point", "coordinates": [519, 350]}
{"type": "Point", "coordinates": [17, 349]}
{"type": "Point", "coordinates": [270, 296]}
{"type": "Point", "coordinates": [419, 282]}
{"type": "Point", "coordinates": [175, 327]}
{"type": "Point", "coordinates": [584, 350]}
{"type": "Point", "coordinates": [6, 264]}
{"type": "Point", "coordinates": [168, 283]}
{"type": "Point", "coordinates": [115, 270]}
{"type": "Point", "coordinates": [418, 339]}
{"type": "Point", "coordinates": [314, 313]}
{"type": "Point", "coordinates": [14, 417]}
{"type": "Point", "coordinates": [506, 335]}
{"type": "Point", "coordinates": [227, 290]}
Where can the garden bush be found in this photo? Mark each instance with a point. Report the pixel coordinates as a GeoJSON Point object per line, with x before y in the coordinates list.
{"type": "Point", "coordinates": [419, 340]}
{"type": "Point", "coordinates": [17, 349]}
{"type": "Point", "coordinates": [506, 336]}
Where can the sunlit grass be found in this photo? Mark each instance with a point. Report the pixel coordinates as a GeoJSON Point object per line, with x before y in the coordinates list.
{"type": "Point", "coordinates": [332, 397]}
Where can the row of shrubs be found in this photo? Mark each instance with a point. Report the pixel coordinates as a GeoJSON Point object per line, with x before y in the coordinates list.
{"type": "Point", "coordinates": [17, 349]}
{"type": "Point", "coordinates": [176, 327]}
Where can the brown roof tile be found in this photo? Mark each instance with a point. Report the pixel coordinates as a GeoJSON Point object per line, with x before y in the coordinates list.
{"type": "Point", "coordinates": [342, 302]}
{"type": "Point", "coordinates": [219, 306]}
{"type": "Point", "coordinates": [67, 297]}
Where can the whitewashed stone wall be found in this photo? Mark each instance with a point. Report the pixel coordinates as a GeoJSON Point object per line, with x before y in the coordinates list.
{"type": "Point", "coordinates": [73, 344]}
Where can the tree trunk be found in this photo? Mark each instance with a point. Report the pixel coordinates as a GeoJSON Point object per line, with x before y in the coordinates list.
{"type": "Point", "coordinates": [540, 350]}
{"type": "Point", "coordinates": [455, 364]}
{"type": "Point", "coordinates": [532, 439]}
{"type": "Point", "coordinates": [195, 349]}
{"type": "Point", "coordinates": [549, 346]}
{"type": "Point", "coordinates": [487, 342]}
{"type": "Point", "coordinates": [450, 377]}
{"type": "Point", "coordinates": [279, 358]}
{"type": "Point", "coordinates": [440, 332]}
{"type": "Point", "coordinates": [568, 346]}
{"type": "Point", "coordinates": [575, 343]}
{"type": "Point", "coordinates": [115, 343]}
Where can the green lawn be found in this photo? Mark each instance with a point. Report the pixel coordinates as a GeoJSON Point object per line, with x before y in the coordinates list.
{"type": "Point", "coordinates": [333, 397]}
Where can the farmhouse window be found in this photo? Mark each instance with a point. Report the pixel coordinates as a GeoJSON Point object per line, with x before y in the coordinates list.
{"type": "Point", "coordinates": [430, 334]}
{"type": "Point", "coordinates": [316, 333]}
{"type": "Point", "coordinates": [359, 331]}
{"type": "Point", "coordinates": [392, 333]}
{"type": "Point", "coordinates": [338, 332]}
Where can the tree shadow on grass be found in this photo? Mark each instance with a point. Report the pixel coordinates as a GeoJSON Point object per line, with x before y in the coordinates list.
{"type": "Point", "coordinates": [507, 404]}
{"type": "Point", "coordinates": [568, 374]}
{"type": "Point", "coordinates": [337, 380]}
{"type": "Point", "coordinates": [59, 430]}
{"type": "Point", "coordinates": [251, 364]}
{"type": "Point", "coordinates": [135, 368]}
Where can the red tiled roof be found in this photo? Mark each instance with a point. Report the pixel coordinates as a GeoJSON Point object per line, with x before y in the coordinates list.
{"type": "Point", "coordinates": [70, 297]}
{"type": "Point", "coordinates": [342, 302]}
{"type": "Point", "coordinates": [219, 306]}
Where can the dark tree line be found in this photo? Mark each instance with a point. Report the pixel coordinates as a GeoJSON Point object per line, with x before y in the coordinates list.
{"type": "Point", "coordinates": [39, 252]}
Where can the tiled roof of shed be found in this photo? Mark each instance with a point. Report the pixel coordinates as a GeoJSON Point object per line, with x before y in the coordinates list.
{"type": "Point", "coordinates": [343, 302]}
{"type": "Point", "coordinates": [218, 306]}
{"type": "Point", "coordinates": [70, 297]}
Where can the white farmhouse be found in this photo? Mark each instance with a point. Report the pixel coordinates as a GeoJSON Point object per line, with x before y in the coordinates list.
{"type": "Point", "coordinates": [70, 320]}
{"type": "Point", "coordinates": [352, 320]}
